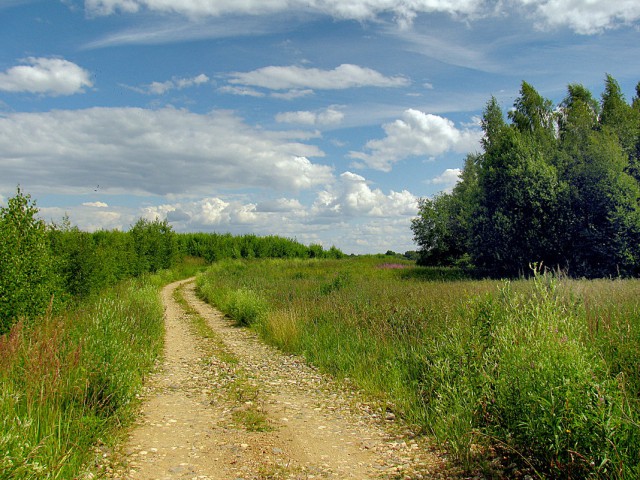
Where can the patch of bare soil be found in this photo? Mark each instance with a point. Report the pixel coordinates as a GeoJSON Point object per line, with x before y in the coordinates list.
{"type": "Point", "coordinates": [226, 406]}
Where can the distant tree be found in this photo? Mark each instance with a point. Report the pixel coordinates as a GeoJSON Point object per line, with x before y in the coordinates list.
{"type": "Point", "coordinates": [412, 255]}
{"type": "Point", "coordinates": [155, 245]}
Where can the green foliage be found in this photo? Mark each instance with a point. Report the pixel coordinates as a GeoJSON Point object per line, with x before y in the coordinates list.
{"type": "Point", "coordinates": [548, 392]}
{"type": "Point", "coordinates": [215, 246]}
{"type": "Point", "coordinates": [89, 262]}
{"type": "Point", "coordinates": [28, 281]}
{"type": "Point", "coordinates": [442, 229]}
{"type": "Point", "coordinates": [155, 245]}
{"type": "Point", "coordinates": [556, 185]}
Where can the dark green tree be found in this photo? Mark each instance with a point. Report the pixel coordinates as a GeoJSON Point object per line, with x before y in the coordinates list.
{"type": "Point", "coordinates": [155, 245]}
{"type": "Point", "coordinates": [442, 227]}
{"type": "Point", "coordinates": [28, 281]}
{"type": "Point", "coordinates": [518, 192]}
{"type": "Point", "coordinates": [557, 186]}
{"type": "Point", "coordinates": [603, 201]}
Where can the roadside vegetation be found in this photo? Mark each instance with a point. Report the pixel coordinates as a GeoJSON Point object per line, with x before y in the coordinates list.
{"type": "Point", "coordinates": [542, 371]}
{"type": "Point", "coordinates": [81, 326]}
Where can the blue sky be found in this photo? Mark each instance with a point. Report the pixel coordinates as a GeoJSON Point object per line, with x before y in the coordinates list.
{"type": "Point", "coordinates": [320, 120]}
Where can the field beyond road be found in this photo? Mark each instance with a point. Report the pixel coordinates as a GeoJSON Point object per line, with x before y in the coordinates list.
{"type": "Point", "coordinates": [531, 377]}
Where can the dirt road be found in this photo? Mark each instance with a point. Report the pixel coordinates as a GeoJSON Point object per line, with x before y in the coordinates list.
{"type": "Point", "coordinates": [226, 406]}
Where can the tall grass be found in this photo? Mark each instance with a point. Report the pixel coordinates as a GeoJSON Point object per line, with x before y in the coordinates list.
{"type": "Point", "coordinates": [545, 370]}
{"type": "Point", "coordinates": [67, 381]}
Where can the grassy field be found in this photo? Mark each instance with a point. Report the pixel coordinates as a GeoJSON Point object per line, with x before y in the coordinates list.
{"type": "Point", "coordinates": [543, 370]}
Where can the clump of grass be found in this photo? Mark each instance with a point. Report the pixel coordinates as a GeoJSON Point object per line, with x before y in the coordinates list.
{"type": "Point", "coordinates": [340, 281]}
{"type": "Point", "coordinates": [243, 304]}
{"type": "Point", "coordinates": [247, 412]}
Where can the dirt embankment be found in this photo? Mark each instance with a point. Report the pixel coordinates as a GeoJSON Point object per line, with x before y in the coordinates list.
{"type": "Point", "coordinates": [226, 406]}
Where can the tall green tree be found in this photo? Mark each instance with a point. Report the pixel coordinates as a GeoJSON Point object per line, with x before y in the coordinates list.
{"type": "Point", "coordinates": [603, 201]}
{"type": "Point", "coordinates": [28, 281]}
{"type": "Point", "coordinates": [555, 185]}
{"type": "Point", "coordinates": [513, 225]}
{"type": "Point", "coordinates": [442, 226]}
{"type": "Point", "coordinates": [619, 117]}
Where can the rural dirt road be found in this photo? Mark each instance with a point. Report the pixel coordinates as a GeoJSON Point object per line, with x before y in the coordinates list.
{"type": "Point", "coordinates": [226, 406]}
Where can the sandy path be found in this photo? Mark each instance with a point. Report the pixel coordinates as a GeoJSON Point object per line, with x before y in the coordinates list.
{"type": "Point", "coordinates": [196, 419]}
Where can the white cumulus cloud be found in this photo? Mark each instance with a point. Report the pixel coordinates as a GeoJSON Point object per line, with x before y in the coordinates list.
{"type": "Point", "coordinates": [352, 196]}
{"type": "Point", "coordinates": [417, 134]}
{"type": "Point", "coordinates": [160, 88]}
{"type": "Point", "coordinates": [48, 76]}
{"type": "Point", "coordinates": [241, 91]}
{"type": "Point", "coordinates": [280, 205]}
{"type": "Point", "coordinates": [448, 179]}
{"type": "Point", "coordinates": [584, 16]}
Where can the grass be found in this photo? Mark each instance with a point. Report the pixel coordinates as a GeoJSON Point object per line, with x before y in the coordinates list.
{"type": "Point", "coordinates": [543, 370]}
{"type": "Point", "coordinates": [69, 383]}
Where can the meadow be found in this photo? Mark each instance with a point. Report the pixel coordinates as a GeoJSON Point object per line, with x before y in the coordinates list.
{"type": "Point", "coordinates": [542, 372]}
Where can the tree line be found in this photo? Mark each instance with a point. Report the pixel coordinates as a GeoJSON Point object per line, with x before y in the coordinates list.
{"type": "Point", "coordinates": [557, 185]}
{"type": "Point", "coordinates": [45, 266]}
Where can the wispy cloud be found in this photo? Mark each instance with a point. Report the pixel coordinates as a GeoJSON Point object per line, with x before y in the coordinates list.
{"type": "Point", "coordinates": [177, 29]}
{"type": "Point", "coordinates": [403, 12]}
{"type": "Point", "coordinates": [584, 17]}
{"type": "Point", "coordinates": [176, 83]}
{"type": "Point", "coordinates": [294, 77]}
